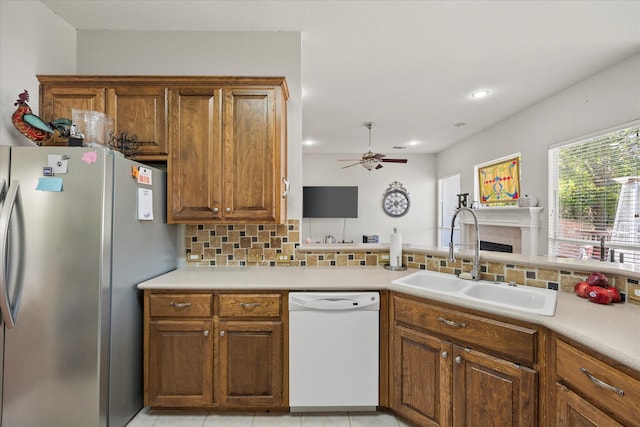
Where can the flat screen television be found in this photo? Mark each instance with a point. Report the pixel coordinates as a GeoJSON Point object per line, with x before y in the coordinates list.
{"type": "Point", "coordinates": [330, 202]}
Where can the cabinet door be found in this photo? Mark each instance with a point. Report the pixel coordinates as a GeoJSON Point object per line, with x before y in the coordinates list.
{"type": "Point", "coordinates": [421, 378]}
{"type": "Point", "coordinates": [141, 111]}
{"type": "Point", "coordinates": [492, 391]}
{"type": "Point", "coordinates": [180, 363]}
{"type": "Point", "coordinates": [195, 163]}
{"type": "Point", "coordinates": [251, 364]}
{"type": "Point", "coordinates": [57, 102]}
{"type": "Point", "coordinates": [574, 411]}
{"type": "Point", "coordinates": [251, 155]}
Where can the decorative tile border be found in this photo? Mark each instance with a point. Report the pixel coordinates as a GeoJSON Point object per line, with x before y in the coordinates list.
{"type": "Point", "coordinates": [232, 245]}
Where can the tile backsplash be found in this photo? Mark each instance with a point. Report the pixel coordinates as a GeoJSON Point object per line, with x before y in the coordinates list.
{"type": "Point", "coordinates": [270, 245]}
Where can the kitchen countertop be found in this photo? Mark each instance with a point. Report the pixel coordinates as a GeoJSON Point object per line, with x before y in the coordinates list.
{"type": "Point", "coordinates": [613, 330]}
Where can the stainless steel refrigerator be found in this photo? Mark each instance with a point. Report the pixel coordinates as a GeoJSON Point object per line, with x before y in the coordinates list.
{"type": "Point", "coordinates": [78, 231]}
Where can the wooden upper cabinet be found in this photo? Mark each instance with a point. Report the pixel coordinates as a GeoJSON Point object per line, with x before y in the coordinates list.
{"type": "Point", "coordinates": [194, 166]}
{"type": "Point", "coordinates": [141, 111]}
{"type": "Point", "coordinates": [57, 101]}
{"type": "Point", "coordinates": [228, 153]}
{"type": "Point", "coordinates": [251, 157]}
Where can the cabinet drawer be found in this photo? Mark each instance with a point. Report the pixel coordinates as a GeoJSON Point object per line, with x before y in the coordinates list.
{"type": "Point", "coordinates": [478, 332]}
{"type": "Point", "coordinates": [605, 386]}
{"type": "Point", "coordinates": [180, 305]}
{"type": "Point", "coordinates": [249, 305]}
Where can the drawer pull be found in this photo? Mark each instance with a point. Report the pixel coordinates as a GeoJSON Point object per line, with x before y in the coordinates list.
{"type": "Point", "coordinates": [452, 323]}
{"type": "Point", "coordinates": [249, 304]}
{"type": "Point", "coordinates": [179, 304]}
{"type": "Point", "coordinates": [458, 360]}
{"type": "Point", "coordinates": [601, 383]}
{"type": "Point", "coordinates": [445, 354]}
{"type": "Point", "coordinates": [206, 333]}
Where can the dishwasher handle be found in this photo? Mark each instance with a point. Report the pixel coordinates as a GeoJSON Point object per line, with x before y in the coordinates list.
{"type": "Point", "coordinates": [328, 302]}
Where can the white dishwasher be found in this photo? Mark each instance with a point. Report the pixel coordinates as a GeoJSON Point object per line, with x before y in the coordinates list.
{"type": "Point", "coordinates": [333, 351]}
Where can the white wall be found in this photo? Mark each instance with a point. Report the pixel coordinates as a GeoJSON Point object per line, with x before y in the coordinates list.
{"type": "Point", "coordinates": [33, 40]}
{"type": "Point", "coordinates": [604, 100]}
{"type": "Point", "coordinates": [206, 53]}
{"type": "Point", "coordinates": [417, 176]}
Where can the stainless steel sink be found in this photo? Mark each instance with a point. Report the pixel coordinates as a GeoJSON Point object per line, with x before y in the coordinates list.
{"type": "Point", "coordinates": [511, 296]}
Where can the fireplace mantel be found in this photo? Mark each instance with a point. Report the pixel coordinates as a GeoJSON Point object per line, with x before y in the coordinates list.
{"type": "Point", "coordinates": [528, 220]}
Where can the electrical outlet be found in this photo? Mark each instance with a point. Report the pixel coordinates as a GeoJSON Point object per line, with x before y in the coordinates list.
{"type": "Point", "coordinates": [254, 255]}
{"type": "Point", "coordinates": [282, 258]}
{"type": "Point", "coordinates": [193, 257]}
{"type": "Point", "coordinates": [634, 292]}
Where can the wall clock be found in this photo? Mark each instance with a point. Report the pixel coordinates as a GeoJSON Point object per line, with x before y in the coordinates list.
{"type": "Point", "coordinates": [395, 201]}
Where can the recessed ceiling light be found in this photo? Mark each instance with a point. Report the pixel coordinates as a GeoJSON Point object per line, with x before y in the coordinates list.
{"type": "Point", "coordinates": [414, 143]}
{"type": "Point", "coordinates": [480, 93]}
{"type": "Point", "coordinates": [308, 142]}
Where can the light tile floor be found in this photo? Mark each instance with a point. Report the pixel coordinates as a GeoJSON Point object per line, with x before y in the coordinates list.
{"type": "Point", "coordinates": [146, 418]}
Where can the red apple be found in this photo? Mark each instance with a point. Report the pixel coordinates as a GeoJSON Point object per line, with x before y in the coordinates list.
{"type": "Point", "coordinates": [582, 289]}
{"type": "Point", "coordinates": [597, 279]}
{"type": "Point", "coordinates": [615, 294]}
{"type": "Point", "coordinates": [599, 295]}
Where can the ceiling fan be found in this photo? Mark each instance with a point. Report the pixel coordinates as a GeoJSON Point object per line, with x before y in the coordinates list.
{"type": "Point", "coordinates": [371, 160]}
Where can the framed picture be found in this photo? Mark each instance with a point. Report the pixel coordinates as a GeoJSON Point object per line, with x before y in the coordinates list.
{"type": "Point", "coordinates": [500, 182]}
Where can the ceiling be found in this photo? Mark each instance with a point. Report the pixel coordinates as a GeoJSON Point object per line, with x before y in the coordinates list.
{"type": "Point", "coordinates": [408, 66]}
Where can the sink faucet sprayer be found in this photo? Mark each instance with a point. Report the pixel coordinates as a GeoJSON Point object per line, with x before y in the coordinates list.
{"type": "Point", "coordinates": [475, 270]}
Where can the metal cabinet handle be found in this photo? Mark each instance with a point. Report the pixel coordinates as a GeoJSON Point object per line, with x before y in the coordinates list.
{"type": "Point", "coordinates": [445, 354]}
{"type": "Point", "coordinates": [179, 304]}
{"type": "Point", "coordinates": [249, 304]}
{"type": "Point", "coordinates": [206, 333]}
{"type": "Point", "coordinates": [216, 210]}
{"type": "Point", "coordinates": [227, 210]}
{"type": "Point", "coordinates": [285, 193]}
{"type": "Point", "coordinates": [458, 360]}
{"type": "Point", "coordinates": [452, 323]}
{"type": "Point", "coordinates": [221, 333]}
{"type": "Point", "coordinates": [601, 383]}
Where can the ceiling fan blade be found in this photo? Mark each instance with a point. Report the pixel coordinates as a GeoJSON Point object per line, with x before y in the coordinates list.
{"type": "Point", "coordinates": [394, 160]}
{"type": "Point", "coordinates": [349, 160]}
{"type": "Point", "coordinates": [348, 166]}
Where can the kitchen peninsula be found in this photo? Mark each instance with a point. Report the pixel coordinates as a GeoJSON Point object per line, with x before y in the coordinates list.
{"type": "Point", "coordinates": [602, 337]}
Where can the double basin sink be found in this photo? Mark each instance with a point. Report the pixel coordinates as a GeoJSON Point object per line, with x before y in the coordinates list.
{"type": "Point", "coordinates": [507, 295]}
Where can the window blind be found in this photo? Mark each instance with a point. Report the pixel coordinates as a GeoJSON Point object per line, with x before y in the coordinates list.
{"type": "Point", "coordinates": [594, 197]}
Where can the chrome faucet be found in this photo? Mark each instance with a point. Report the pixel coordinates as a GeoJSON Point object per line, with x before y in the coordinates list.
{"type": "Point", "coordinates": [475, 270]}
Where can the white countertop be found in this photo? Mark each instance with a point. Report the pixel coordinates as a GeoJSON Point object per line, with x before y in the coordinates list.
{"type": "Point", "coordinates": [613, 330]}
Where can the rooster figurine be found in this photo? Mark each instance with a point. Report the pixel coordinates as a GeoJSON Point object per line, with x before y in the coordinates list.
{"type": "Point", "coordinates": [32, 126]}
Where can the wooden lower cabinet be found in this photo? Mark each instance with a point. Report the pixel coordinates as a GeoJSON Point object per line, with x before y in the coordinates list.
{"type": "Point", "coordinates": [436, 381]}
{"type": "Point", "coordinates": [215, 350]}
{"type": "Point", "coordinates": [492, 391]}
{"type": "Point", "coordinates": [593, 391]}
{"type": "Point", "coordinates": [574, 411]}
{"type": "Point", "coordinates": [251, 368]}
{"type": "Point", "coordinates": [180, 363]}
{"type": "Point", "coordinates": [422, 378]}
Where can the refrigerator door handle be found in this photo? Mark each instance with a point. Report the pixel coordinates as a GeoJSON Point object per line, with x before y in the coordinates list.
{"type": "Point", "coordinates": [12, 205]}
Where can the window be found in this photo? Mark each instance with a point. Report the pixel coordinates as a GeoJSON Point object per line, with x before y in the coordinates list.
{"type": "Point", "coordinates": [595, 196]}
{"type": "Point", "coordinates": [448, 190]}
